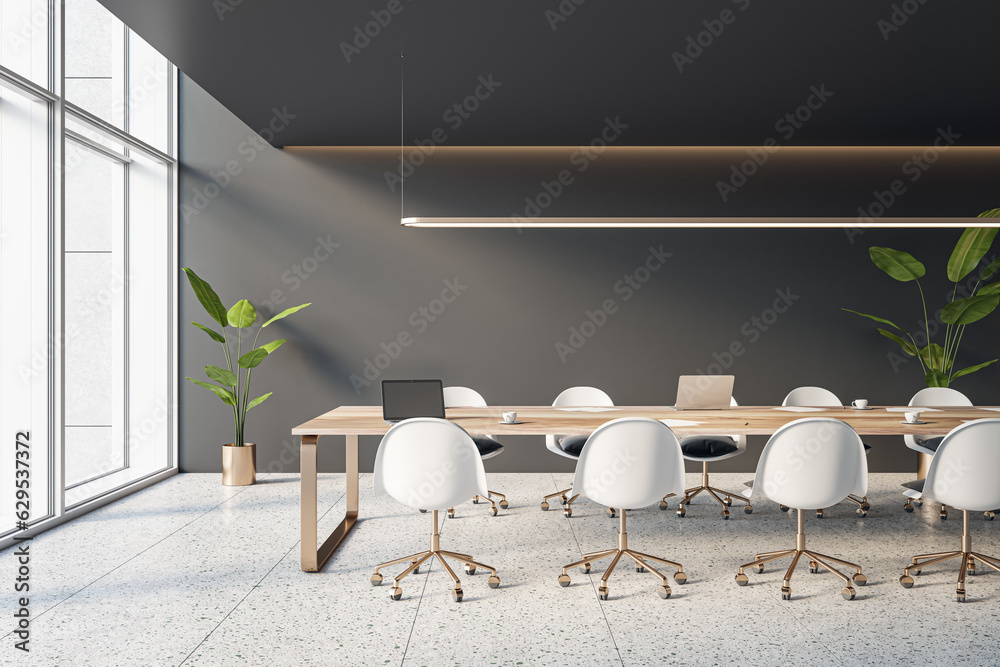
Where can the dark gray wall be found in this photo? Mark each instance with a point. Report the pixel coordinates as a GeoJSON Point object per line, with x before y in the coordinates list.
{"type": "Point", "coordinates": [257, 236]}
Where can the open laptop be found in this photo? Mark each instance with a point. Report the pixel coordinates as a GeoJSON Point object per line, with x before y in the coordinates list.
{"type": "Point", "coordinates": [406, 399]}
{"type": "Point", "coordinates": [704, 392]}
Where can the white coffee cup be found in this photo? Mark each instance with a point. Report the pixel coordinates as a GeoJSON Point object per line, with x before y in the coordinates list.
{"type": "Point", "coordinates": [510, 417]}
{"type": "Point", "coordinates": [860, 403]}
{"type": "Point", "coordinates": [912, 417]}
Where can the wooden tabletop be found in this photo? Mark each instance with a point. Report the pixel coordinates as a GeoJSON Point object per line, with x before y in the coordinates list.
{"type": "Point", "coordinates": [743, 420]}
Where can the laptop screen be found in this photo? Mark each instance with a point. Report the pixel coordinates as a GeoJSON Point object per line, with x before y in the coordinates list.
{"type": "Point", "coordinates": [405, 399]}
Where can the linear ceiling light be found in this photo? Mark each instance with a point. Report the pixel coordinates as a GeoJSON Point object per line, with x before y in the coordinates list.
{"type": "Point", "coordinates": [695, 222]}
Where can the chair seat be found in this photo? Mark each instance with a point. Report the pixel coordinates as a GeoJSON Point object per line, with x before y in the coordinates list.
{"type": "Point", "coordinates": [487, 446]}
{"type": "Point", "coordinates": [930, 444]}
{"type": "Point", "coordinates": [573, 444]}
{"type": "Point", "coordinates": [707, 446]}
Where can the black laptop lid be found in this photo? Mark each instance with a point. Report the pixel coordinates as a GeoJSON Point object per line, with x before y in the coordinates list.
{"type": "Point", "coordinates": [405, 399]}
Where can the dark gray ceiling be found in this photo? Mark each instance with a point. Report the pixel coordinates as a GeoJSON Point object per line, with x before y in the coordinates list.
{"type": "Point", "coordinates": [606, 59]}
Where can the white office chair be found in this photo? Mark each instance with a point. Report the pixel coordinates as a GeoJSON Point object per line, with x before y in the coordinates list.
{"type": "Point", "coordinates": [707, 448]}
{"type": "Point", "coordinates": [823, 398]}
{"type": "Point", "coordinates": [430, 464]}
{"type": "Point", "coordinates": [628, 463]}
{"type": "Point", "coordinates": [963, 474]}
{"type": "Point", "coordinates": [926, 398]}
{"type": "Point", "coordinates": [463, 397]}
{"type": "Point", "coordinates": [570, 446]}
{"type": "Point", "coordinates": [807, 464]}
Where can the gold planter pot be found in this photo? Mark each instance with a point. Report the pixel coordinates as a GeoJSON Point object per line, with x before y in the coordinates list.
{"type": "Point", "coordinates": [239, 465]}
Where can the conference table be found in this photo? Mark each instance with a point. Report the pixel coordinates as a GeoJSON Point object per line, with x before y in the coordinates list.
{"type": "Point", "coordinates": [354, 421]}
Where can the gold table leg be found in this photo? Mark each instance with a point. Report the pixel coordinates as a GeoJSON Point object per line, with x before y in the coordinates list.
{"type": "Point", "coordinates": [313, 559]}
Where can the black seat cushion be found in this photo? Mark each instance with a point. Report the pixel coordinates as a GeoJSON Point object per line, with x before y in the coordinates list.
{"type": "Point", "coordinates": [930, 443]}
{"type": "Point", "coordinates": [486, 446]}
{"type": "Point", "coordinates": [867, 447]}
{"type": "Point", "coordinates": [573, 444]}
{"type": "Point", "coordinates": [708, 446]}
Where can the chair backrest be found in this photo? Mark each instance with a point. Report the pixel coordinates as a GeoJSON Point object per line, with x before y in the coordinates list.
{"type": "Point", "coordinates": [577, 396]}
{"type": "Point", "coordinates": [812, 396]}
{"type": "Point", "coordinates": [812, 463]}
{"type": "Point", "coordinates": [965, 470]}
{"type": "Point", "coordinates": [463, 397]}
{"type": "Point", "coordinates": [429, 464]}
{"type": "Point", "coordinates": [630, 462]}
{"type": "Point", "coordinates": [945, 396]}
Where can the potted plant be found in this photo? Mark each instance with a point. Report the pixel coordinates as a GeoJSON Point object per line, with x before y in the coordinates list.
{"type": "Point", "coordinates": [232, 384]}
{"type": "Point", "coordinates": [937, 361]}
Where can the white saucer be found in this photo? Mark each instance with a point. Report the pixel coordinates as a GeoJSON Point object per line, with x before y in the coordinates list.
{"type": "Point", "coordinates": [914, 423]}
{"type": "Point", "coordinates": [503, 422]}
{"type": "Point", "coordinates": [854, 408]}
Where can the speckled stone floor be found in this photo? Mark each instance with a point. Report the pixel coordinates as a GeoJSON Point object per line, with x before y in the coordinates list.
{"type": "Point", "coordinates": [189, 572]}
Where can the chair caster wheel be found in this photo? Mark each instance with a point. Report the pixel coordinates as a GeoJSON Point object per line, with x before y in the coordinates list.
{"type": "Point", "coordinates": [908, 508]}
{"type": "Point", "coordinates": [916, 573]}
{"type": "Point", "coordinates": [457, 594]}
{"type": "Point", "coordinates": [611, 512]}
{"type": "Point", "coordinates": [814, 567]}
{"type": "Point", "coordinates": [988, 516]}
{"type": "Point", "coordinates": [729, 501]}
{"type": "Point", "coordinates": [819, 514]}
{"type": "Point", "coordinates": [664, 591]}
{"type": "Point", "coordinates": [544, 506]}
{"type": "Point", "coordinates": [906, 581]}
{"type": "Point", "coordinates": [416, 570]}
{"type": "Point", "coordinates": [680, 577]}
{"type": "Point", "coordinates": [504, 504]}
{"type": "Point", "coordinates": [918, 503]}
{"type": "Point", "coordinates": [493, 581]}
{"type": "Point", "coordinates": [664, 505]}
{"type": "Point", "coordinates": [639, 568]}
{"type": "Point", "coordinates": [494, 510]}
{"type": "Point", "coordinates": [725, 514]}
{"type": "Point", "coordinates": [475, 501]}
{"type": "Point", "coordinates": [470, 569]}
{"type": "Point", "coordinates": [866, 506]}
{"type": "Point", "coordinates": [681, 512]}
{"type": "Point", "coordinates": [848, 592]}
{"type": "Point", "coordinates": [451, 514]}
{"type": "Point", "coordinates": [602, 593]}
{"type": "Point", "coordinates": [423, 511]}
{"type": "Point", "coordinates": [748, 509]}
{"type": "Point", "coordinates": [860, 579]}
{"type": "Point", "coordinates": [861, 513]}
{"type": "Point", "coordinates": [564, 580]}
{"type": "Point", "coordinates": [563, 499]}
{"type": "Point", "coordinates": [586, 568]}
{"type": "Point", "coordinates": [376, 579]}
{"type": "Point", "coordinates": [396, 593]}
{"type": "Point", "coordinates": [567, 512]}
{"type": "Point", "coordinates": [971, 568]}
{"type": "Point", "coordinates": [760, 569]}
{"type": "Point", "coordinates": [783, 508]}
{"type": "Point", "coordinates": [960, 595]}
{"type": "Point", "coordinates": [742, 579]}
{"type": "Point", "coordinates": [786, 593]}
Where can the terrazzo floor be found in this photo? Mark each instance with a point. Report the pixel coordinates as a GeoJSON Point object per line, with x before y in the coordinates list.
{"type": "Point", "coordinates": [189, 572]}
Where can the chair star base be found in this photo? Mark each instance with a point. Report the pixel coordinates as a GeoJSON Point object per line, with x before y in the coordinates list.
{"type": "Point", "coordinates": [716, 493]}
{"type": "Point", "coordinates": [968, 565]}
{"type": "Point", "coordinates": [488, 498]}
{"type": "Point", "coordinates": [816, 560]}
{"type": "Point", "coordinates": [418, 559]}
{"type": "Point", "coordinates": [641, 564]}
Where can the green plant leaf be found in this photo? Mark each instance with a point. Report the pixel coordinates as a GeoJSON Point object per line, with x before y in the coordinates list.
{"type": "Point", "coordinates": [900, 265]}
{"type": "Point", "coordinates": [274, 345]}
{"type": "Point", "coordinates": [972, 246]}
{"type": "Point", "coordinates": [242, 315]}
{"type": "Point", "coordinates": [933, 357]}
{"type": "Point", "coordinates": [970, 309]}
{"type": "Point", "coordinates": [223, 393]}
{"type": "Point", "coordinates": [215, 335]}
{"type": "Point", "coordinates": [971, 369]}
{"type": "Point", "coordinates": [992, 288]}
{"type": "Point", "coordinates": [285, 313]}
{"type": "Point", "coordinates": [935, 378]}
{"type": "Point", "coordinates": [224, 377]}
{"type": "Point", "coordinates": [252, 358]}
{"type": "Point", "coordinates": [990, 269]}
{"type": "Point", "coordinates": [992, 213]}
{"type": "Point", "coordinates": [210, 301]}
{"type": "Point", "coordinates": [902, 342]}
{"type": "Point", "coordinates": [257, 401]}
{"type": "Point", "coordinates": [880, 320]}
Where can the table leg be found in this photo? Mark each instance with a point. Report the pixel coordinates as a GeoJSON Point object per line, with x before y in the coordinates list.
{"type": "Point", "coordinates": [923, 463]}
{"type": "Point", "coordinates": [312, 559]}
